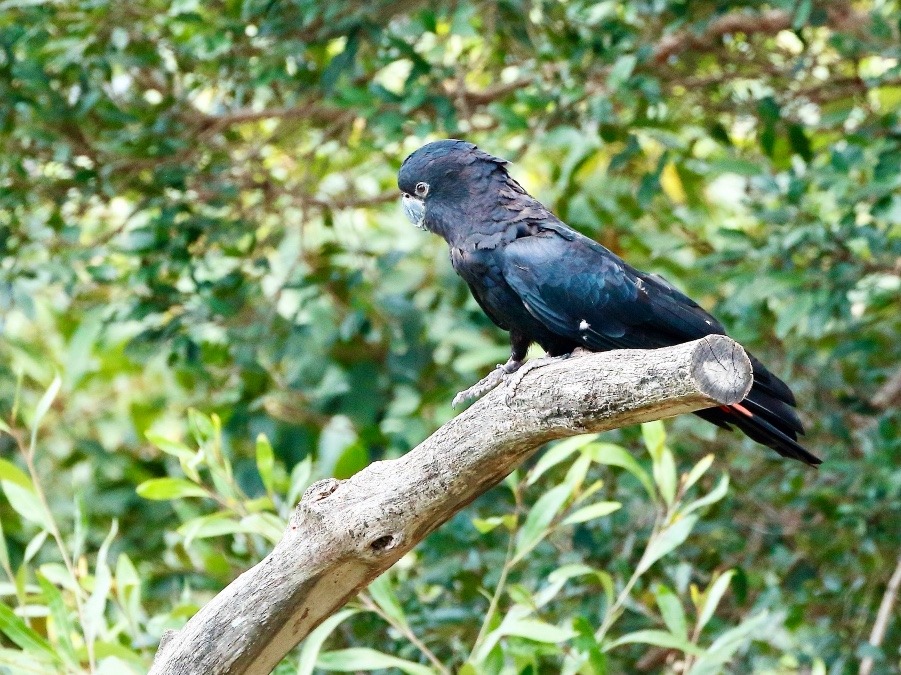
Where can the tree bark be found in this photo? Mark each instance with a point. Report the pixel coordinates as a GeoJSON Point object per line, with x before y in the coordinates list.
{"type": "Point", "coordinates": [344, 534]}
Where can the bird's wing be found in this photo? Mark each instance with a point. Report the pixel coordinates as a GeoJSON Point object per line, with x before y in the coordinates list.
{"type": "Point", "coordinates": [580, 290]}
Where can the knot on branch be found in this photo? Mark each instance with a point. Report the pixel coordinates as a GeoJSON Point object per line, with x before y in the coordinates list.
{"type": "Point", "coordinates": [320, 490]}
{"type": "Point", "coordinates": [382, 544]}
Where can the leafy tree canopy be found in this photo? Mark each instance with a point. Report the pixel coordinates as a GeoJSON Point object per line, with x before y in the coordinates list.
{"type": "Point", "coordinates": [198, 212]}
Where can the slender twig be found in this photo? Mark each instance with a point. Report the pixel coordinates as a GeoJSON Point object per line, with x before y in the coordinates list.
{"type": "Point", "coordinates": [502, 581]}
{"type": "Point", "coordinates": [882, 617]}
{"type": "Point", "coordinates": [404, 630]}
{"type": "Point", "coordinates": [614, 611]}
{"type": "Point", "coordinates": [28, 451]}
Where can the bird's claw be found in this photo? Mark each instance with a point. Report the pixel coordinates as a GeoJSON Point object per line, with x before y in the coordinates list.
{"type": "Point", "coordinates": [512, 373]}
{"type": "Point", "coordinates": [487, 383]}
{"type": "Point", "coordinates": [482, 387]}
{"type": "Point", "coordinates": [513, 382]}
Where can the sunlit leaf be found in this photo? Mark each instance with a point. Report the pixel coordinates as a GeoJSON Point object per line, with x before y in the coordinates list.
{"type": "Point", "coordinates": [26, 503]}
{"type": "Point", "coordinates": [43, 406]}
{"type": "Point", "coordinates": [666, 541]}
{"type": "Point", "coordinates": [614, 455]}
{"type": "Point", "coordinates": [697, 471]}
{"type": "Point", "coordinates": [592, 511]}
{"type": "Point", "coordinates": [535, 527]}
{"type": "Point", "coordinates": [383, 593]}
{"type": "Point", "coordinates": [556, 454]}
{"type": "Point", "coordinates": [312, 644]}
{"type": "Point", "coordinates": [657, 638]}
{"type": "Point", "coordinates": [711, 497]}
{"type": "Point", "coordinates": [10, 472]}
{"type": "Point", "coordinates": [95, 607]}
{"type": "Point", "coordinates": [671, 610]}
{"type": "Point", "coordinates": [724, 647]}
{"type": "Point", "coordinates": [18, 631]}
{"type": "Point", "coordinates": [365, 658]}
{"type": "Point", "coordinates": [265, 462]}
{"type": "Point", "coordinates": [712, 597]}
{"type": "Point", "coordinates": [35, 545]}
{"type": "Point", "coordinates": [63, 626]}
{"type": "Point", "coordinates": [169, 488]}
{"type": "Point", "coordinates": [267, 525]}
{"type": "Point", "coordinates": [300, 480]}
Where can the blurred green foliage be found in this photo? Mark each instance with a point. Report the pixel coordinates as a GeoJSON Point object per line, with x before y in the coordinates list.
{"type": "Point", "coordinates": [198, 212]}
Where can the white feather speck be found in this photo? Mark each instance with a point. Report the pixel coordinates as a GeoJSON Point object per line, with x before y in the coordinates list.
{"type": "Point", "coordinates": [584, 325]}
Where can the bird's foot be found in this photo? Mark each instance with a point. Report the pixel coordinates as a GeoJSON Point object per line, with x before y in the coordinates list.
{"type": "Point", "coordinates": [513, 382]}
{"type": "Point", "coordinates": [487, 383]}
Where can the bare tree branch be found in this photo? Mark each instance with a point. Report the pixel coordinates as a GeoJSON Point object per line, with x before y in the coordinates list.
{"type": "Point", "coordinates": [344, 534]}
{"type": "Point", "coordinates": [769, 22]}
{"type": "Point", "coordinates": [882, 617]}
{"type": "Point", "coordinates": [888, 396]}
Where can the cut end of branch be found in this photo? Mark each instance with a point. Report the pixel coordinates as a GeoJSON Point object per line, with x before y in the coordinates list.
{"type": "Point", "coordinates": [722, 369]}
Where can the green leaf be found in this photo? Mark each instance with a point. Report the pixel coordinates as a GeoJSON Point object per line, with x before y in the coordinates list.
{"type": "Point", "coordinates": [697, 471]}
{"type": "Point", "coordinates": [485, 525]}
{"type": "Point", "coordinates": [43, 406]}
{"type": "Point", "coordinates": [300, 480]}
{"type": "Point", "coordinates": [535, 527]}
{"type": "Point", "coordinates": [558, 578]}
{"type": "Point", "coordinates": [382, 592]}
{"type": "Point", "coordinates": [671, 610]}
{"type": "Point", "coordinates": [35, 545]}
{"type": "Point", "coordinates": [665, 541]}
{"type": "Point", "coordinates": [10, 472]}
{"type": "Point", "coordinates": [364, 658]}
{"type": "Point", "coordinates": [212, 525]}
{"type": "Point", "coordinates": [710, 498]}
{"type": "Point", "coordinates": [621, 71]}
{"type": "Point", "coordinates": [63, 626]}
{"type": "Point", "coordinates": [169, 488]}
{"type": "Point", "coordinates": [26, 503]}
{"type": "Point", "coordinates": [311, 646]}
{"type": "Point", "coordinates": [712, 597]}
{"type": "Point", "coordinates": [128, 586]}
{"type": "Point", "coordinates": [355, 457]}
{"type": "Point", "coordinates": [189, 459]}
{"type": "Point", "coordinates": [201, 426]}
{"type": "Point", "coordinates": [724, 647]}
{"type": "Point", "coordinates": [265, 462]}
{"type": "Point", "coordinates": [615, 455]}
{"type": "Point", "coordinates": [267, 525]}
{"type": "Point", "coordinates": [657, 638]}
{"type": "Point", "coordinates": [538, 631]}
{"type": "Point", "coordinates": [575, 476]}
{"type": "Point", "coordinates": [654, 435]}
{"type": "Point", "coordinates": [4, 552]}
{"type": "Point", "coordinates": [802, 14]}
{"type": "Point", "coordinates": [586, 643]}
{"type": "Point", "coordinates": [18, 631]}
{"type": "Point", "coordinates": [556, 454]}
{"type": "Point", "coordinates": [95, 607]}
{"type": "Point", "coordinates": [170, 447]}
{"type": "Point", "coordinates": [664, 466]}
{"type": "Point", "coordinates": [596, 510]}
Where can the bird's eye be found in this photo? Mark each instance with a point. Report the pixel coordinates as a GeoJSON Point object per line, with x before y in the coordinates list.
{"type": "Point", "coordinates": [422, 189]}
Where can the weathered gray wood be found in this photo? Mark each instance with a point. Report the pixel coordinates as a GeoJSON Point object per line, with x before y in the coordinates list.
{"type": "Point", "coordinates": [343, 534]}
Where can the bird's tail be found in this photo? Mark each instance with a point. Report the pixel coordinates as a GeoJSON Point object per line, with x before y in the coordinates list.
{"type": "Point", "coordinates": [766, 415]}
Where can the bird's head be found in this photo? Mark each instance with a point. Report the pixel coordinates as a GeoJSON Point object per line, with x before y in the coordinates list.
{"type": "Point", "coordinates": [443, 177]}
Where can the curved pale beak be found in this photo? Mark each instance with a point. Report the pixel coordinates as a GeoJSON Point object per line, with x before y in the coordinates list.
{"type": "Point", "coordinates": [414, 209]}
